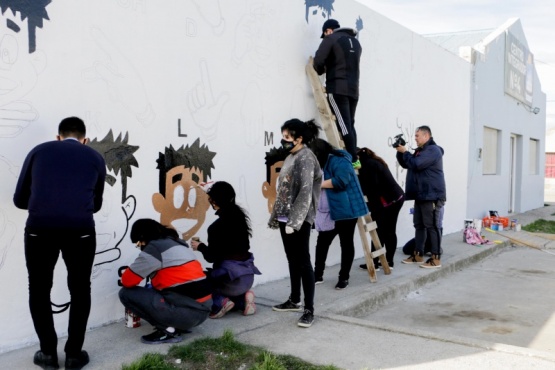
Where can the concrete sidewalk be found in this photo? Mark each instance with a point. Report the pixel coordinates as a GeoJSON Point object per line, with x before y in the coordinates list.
{"type": "Point", "coordinates": [364, 326]}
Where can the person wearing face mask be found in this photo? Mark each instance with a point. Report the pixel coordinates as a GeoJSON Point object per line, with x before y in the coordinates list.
{"type": "Point", "coordinates": [294, 211]}
{"type": "Point", "coordinates": [228, 247]}
{"type": "Point", "coordinates": [180, 296]}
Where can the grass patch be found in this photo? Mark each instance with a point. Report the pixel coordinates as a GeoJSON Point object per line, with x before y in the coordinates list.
{"type": "Point", "coordinates": [541, 226]}
{"type": "Point", "coordinates": [220, 353]}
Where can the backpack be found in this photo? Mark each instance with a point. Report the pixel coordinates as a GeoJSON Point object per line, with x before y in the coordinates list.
{"type": "Point", "coordinates": [472, 236]}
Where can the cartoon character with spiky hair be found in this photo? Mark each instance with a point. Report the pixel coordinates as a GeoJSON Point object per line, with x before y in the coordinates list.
{"type": "Point", "coordinates": [274, 162]}
{"type": "Point", "coordinates": [34, 11]}
{"type": "Point", "coordinates": [19, 69]}
{"type": "Point", "coordinates": [181, 198]}
{"type": "Point", "coordinates": [326, 6]}
{"type": "Point", "coordinates": [119, 158]}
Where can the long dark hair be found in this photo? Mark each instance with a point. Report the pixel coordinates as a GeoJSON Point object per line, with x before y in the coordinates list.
{"type": "Point", "coordinates": [371, 154]}
{"type": "Point", "coordinates": [146, 230]}
{"type": "Point", "coordinates": [223, 195]}
{"type": "Point", "coordinates": [322, 150]}
{"type": "Point", "coordinates": [307, 130]}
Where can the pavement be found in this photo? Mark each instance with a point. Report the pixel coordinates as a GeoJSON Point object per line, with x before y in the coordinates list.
{"type": "Point", "coordinates": [487, 307]}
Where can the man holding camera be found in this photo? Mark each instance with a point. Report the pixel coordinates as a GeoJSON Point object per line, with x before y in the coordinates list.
{"type": "Point", "coordinates": [425, 185]}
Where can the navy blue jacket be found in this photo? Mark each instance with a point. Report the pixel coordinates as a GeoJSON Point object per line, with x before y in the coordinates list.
{"type": "Point", "coordinates": [425, 179]}
{"type": "Point", "coordinates": [61, 184]}
{"type": "Point", "coordinates": [345, 199]}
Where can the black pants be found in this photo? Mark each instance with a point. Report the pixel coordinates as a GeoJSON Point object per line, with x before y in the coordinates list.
{"type": "Point", "coordinates": [296, 247]}
{"type": "Point", "coordinates": [41, 255]}
{"type": "Point", "coordinates": [427, 223]}
{"type": "Point", "coordinates": [346, 230]}
{"type": "Point", "coordinates": [163, 309]}
{"type": "Point", "coordinates": [344, 108]}
{"type": "Point", "coordinates": [386, 220]}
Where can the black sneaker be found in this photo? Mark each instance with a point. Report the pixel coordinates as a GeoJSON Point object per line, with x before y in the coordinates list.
{"type": "Point", "coordinates": [341, 284]}
{"type": "Point", "coordinates": [363, 267]}
{"type": "Point", "coordinates": [77, 362]}
{"type": "Point", "coordinates": [161, 336]}
{"type": "Point", "coordinates": [306, 319]}
{"type": "Point", "coordinates": [48, 362]}
{"type": "Point", "coordinates": [289, 305]}
{"type": "Point", "coordinates": [318, 280]}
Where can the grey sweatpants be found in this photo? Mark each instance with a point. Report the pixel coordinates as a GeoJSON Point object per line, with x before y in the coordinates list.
{"type": "Point", "coordinates": [164, 309]}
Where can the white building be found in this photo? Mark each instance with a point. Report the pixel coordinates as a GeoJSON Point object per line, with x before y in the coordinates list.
{"type": "Point", "coordinates": [219, 78]}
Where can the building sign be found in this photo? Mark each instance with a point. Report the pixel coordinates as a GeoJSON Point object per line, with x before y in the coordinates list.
{"type": "Point", "coordinates": [519, 70]}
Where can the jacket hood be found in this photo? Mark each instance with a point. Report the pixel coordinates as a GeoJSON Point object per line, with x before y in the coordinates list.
{"type": "Point", "coordinates": [350, 31]}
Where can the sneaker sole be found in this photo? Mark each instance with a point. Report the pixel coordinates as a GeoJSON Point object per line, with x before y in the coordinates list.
{"type": "Point", "coordinates": [430, 267]}
{"type": "Point", "coordinates": [169, 340]}
{"type": "Point", "coordinates": [250, 306]}
{"type": "Point", "coordinates": [303, 325]}
{"type": "Point", "coordinates": [298, 309]}
{"type": "Point", "coordinates": [225, 309]}
{"type": "Point", "coordinates": [318, 282]}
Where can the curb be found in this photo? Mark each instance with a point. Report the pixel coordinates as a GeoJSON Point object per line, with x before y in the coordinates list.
{"type": "Point", "coordinates": [362, 304]}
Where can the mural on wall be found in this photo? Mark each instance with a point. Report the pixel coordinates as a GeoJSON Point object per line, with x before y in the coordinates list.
{"type": "Point", "coordinates": [182, 202]}
{"type": "Point", "coordinates": [119, 158]}
{"type": "Point", "coordinates": [211, 12]}
{"type": "Point", "coordinates": [123, 81]}
{"type": "Point", "coordinates": [274, 162]}
{"type": "Point", "coordinates": [7, 227]}
{"type": "Point", "coordinates": [20, 62]}
{"type": "Point", "coordinates": [325, 7]}
{"type": "Point", "coordinates": [206, 108]}
{"type": "Point", "coordinates": [32, 11]}
{"type": "Point", "coordinates": [253, 36]}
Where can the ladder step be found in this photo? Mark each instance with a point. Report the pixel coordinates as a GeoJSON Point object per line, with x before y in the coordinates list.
{"type": "Point", "coordinates": [370, 226]}
{"type": "Point", "coordinates": [378, 253]}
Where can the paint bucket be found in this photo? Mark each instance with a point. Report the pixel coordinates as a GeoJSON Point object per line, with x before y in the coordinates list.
{"type": "Point", "coordinates": [132, 320]}
{"type": "Point", "coordinates": [500, 226]}
{"type": "Point", "coordinates": [478, 225]}
{"type": "Point", "coordinates": [467, 223]}
{"type": "Point", "coordinates": [518, 227]}
{"type": "Point", "coordinates": [495, 226]}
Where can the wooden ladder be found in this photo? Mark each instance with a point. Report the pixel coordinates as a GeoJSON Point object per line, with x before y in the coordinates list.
{"type": "Point", "coordinates": [366, 226]}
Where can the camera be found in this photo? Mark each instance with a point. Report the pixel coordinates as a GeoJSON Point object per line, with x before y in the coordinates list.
{"type": "Point", "coordinates": [399, 141]}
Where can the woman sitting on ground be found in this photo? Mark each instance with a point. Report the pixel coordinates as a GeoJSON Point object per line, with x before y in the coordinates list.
{"type": "Point", "coordinates": [228, 247]}
{"type": "Point", "coordinates": [179, 298]}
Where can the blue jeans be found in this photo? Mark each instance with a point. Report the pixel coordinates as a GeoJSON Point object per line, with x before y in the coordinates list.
{"type": "Point", "coordinates": [234, 290]}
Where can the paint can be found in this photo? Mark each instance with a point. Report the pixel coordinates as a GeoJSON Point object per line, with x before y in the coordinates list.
{"type": "Point", "coordinates": [500, 226]}
{"type": "Point", "coordinates": [495, 226]}
{"type": "Point", "coordinates": [467, 224]}
{"type": "Point", "coordinates": [132, 320]}
{"type": "Point", "coordinates": [478, 225]}
{"type": "Point", "coordinates": [518, 227]}
{"type": "Point", "coordinates": [513, 223]}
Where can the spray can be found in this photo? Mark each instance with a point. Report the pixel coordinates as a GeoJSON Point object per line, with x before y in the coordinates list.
{"type": "Point", "coordinates": [132, 320]}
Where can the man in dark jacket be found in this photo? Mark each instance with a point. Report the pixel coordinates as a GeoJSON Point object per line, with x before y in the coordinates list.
{"type": "Point", "coordinates": [339, 58]}
{"type": "Point", "coordinates": [61, 184]}
{"type": "Point", "coordinates": [426, 186]}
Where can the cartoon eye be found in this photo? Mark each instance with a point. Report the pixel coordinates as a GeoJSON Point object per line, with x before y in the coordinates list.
{"type": "Point", "coordinates": [192, 196]}
{"type": "Point", "coordinates": [9, 49]}
{"type": "Point", "coordinates": [178, 196]}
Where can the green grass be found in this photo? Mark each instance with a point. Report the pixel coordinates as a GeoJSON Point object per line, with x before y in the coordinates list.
{"type": "Point", "coordinates": [541, 226]}
{"type": "Point", "coordinates": [220, 353]}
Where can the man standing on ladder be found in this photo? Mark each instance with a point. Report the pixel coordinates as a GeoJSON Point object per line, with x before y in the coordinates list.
{"type": "Point", "coordinates": [338, 56]}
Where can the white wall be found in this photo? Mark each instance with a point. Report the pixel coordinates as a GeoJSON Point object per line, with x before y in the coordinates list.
{"type": "Point", "coordinates": [494, 109]}
{"type": "Point", "coordinates": [231, 73]}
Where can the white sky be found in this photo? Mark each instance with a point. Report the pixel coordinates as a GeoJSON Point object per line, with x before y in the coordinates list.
{"type": "Point", "coordinates": [435, 16]}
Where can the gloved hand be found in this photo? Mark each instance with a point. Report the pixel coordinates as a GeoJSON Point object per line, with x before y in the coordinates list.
{"type": "Point", "coordinates": [289, 230]}
{"type": "Point", "coordinates": [120, 272]}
